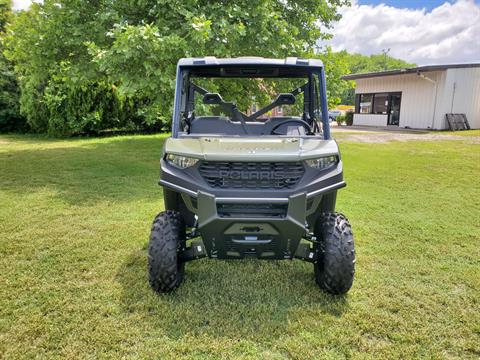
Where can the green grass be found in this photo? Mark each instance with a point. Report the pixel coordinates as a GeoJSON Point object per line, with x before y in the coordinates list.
{"type": "Point", "coordinates": [75, 217]}
{"type": "Point", "coordinates": [459, 133]}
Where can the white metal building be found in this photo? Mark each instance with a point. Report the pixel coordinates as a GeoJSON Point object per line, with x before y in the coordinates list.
{"type": "Point", "coordinates": [418, 98]}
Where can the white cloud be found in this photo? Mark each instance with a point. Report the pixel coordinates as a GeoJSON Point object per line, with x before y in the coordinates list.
{"type": "Point", "coordinates": [449, 33]}
{"type": "Point", "coordinates": [23, 4]}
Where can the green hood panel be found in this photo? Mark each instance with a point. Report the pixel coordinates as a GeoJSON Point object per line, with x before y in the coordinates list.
{"type": "Point", "coordinates": [251, 149]}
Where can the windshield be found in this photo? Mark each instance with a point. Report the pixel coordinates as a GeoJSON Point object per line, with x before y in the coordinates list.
{"type": "Point", "coordinates": [247, 103]}
{"type": "Point", "coordinates": [249, 96]}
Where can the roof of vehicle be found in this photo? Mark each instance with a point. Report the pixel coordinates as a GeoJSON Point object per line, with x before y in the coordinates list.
{"type": "Point", "coordinates": [250, 60]}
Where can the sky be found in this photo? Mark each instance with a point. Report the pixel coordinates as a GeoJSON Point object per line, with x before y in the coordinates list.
{"type": "Point", "coordinates": [423, 32]}
{"type": "Point", "coordinates": [411, 4]}
{"type": "Point", "coordinates": [21, 4]}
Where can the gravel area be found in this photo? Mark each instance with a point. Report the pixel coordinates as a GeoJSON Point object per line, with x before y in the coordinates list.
{"type": "Point", "coordinates": [382, 136]}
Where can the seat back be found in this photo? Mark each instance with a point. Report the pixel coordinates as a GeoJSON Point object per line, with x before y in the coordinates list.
{"type": "Point", "coordinates": [220, 125]}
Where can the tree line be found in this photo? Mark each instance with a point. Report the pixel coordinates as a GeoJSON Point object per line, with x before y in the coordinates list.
{"type": "Point", "coordinates": [71, 67]}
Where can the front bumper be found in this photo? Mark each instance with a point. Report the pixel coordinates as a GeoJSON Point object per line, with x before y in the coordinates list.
{"type": "Point", "coordinates": [263, 237]}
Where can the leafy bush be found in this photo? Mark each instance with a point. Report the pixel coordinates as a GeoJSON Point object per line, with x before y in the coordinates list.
{"type": "Point", "coordinates": [340, 119]}
{"type": "Point", "coordinates": [10, 118]}
{"type": "Point", "coordinates": [349, 118]}
{"type": "Point", "coordinates": [88, 108]}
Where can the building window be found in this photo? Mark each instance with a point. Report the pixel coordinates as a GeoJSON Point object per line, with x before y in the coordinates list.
{"type": "Point", "coordinates": [376, 103]}
{"type": "Point", "coordinates": [365, 103]}
{"type": "Point", "coordinates": [380, 103]}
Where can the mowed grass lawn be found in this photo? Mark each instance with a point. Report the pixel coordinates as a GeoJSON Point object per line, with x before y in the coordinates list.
{"type": "Point", "coordinates": [75, 218]}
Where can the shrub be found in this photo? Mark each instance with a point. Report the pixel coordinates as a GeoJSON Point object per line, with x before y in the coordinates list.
{"type": "Point", "coordinates": [349, 118]}
{"type": "Point", "coordinates": [340, 119]}
{"type": "Point", "coordinates": [81, 108]}
{"type": "Point", "coordinates": [10, 118]}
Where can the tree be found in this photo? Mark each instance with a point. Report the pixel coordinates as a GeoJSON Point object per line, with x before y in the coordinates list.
{"type": "Point", "coordinates": [62, 91]}
{"type": "Point", "coordinates": [69, 52]}
{"type": "Point", "coordinates": [336, 65]}
{"type": "Point", "coordinates": [10, 119]}
{"type": "Point", "coordinates": [5, 13]}
{"type": "Point", "coordinates": [141, 60]}
{"type": "Point", "coordinates": [377, 62]}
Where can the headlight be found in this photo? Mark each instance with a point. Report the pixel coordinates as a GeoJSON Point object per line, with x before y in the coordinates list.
{"type": "Point", "coordinates": [181, 162]}
{"type": "Point", "coordinates": [323, 162]}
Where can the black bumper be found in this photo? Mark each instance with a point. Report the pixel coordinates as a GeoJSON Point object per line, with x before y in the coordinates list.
{"type": "Point", "coordinates": [261, 237]}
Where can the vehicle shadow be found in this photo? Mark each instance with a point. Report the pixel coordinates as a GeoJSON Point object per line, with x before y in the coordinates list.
{"type": "Point", "coordinates": [248, 299]}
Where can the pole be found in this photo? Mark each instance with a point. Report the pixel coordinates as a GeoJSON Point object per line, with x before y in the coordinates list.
{"type": "Point", "coordinates": [385, 53]}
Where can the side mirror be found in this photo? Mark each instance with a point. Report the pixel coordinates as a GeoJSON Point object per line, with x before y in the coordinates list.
{"type": "Point", "coordinates": [285, 99]}
{"type": "Point", "coordinates": [212, 99]}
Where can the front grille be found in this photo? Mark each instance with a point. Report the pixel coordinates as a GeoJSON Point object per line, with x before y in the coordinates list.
{"type": "Point", "coordinates": [251, 175]}
{"type": "Point", "coordinates": [252, 210]}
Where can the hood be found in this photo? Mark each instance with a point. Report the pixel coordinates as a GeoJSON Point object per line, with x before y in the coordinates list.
{"type": "Point", "coordinates": [251, 149]}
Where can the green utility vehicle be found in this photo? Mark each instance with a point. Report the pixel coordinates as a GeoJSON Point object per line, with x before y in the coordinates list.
{"type": "Point", "coordinates": [255, 175]}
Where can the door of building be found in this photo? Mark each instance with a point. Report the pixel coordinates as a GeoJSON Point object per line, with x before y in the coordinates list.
{"type": "Point", "coordinates": [394, 108]}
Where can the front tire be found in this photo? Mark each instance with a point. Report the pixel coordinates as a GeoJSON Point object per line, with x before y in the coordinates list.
{"type": "Point", "coordinates": [335, 268]}
{"type": "Point", "coordinates": [165, 272]}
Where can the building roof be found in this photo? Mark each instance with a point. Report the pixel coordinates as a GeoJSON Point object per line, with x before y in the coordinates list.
{"type": "Point", "coordinates": [409, 71]}
{"type": "Point", "coordinates": [250, 60]}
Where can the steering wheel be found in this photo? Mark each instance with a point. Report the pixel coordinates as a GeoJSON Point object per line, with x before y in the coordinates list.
{"type": "Point", "coordinates": [298, 121]}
